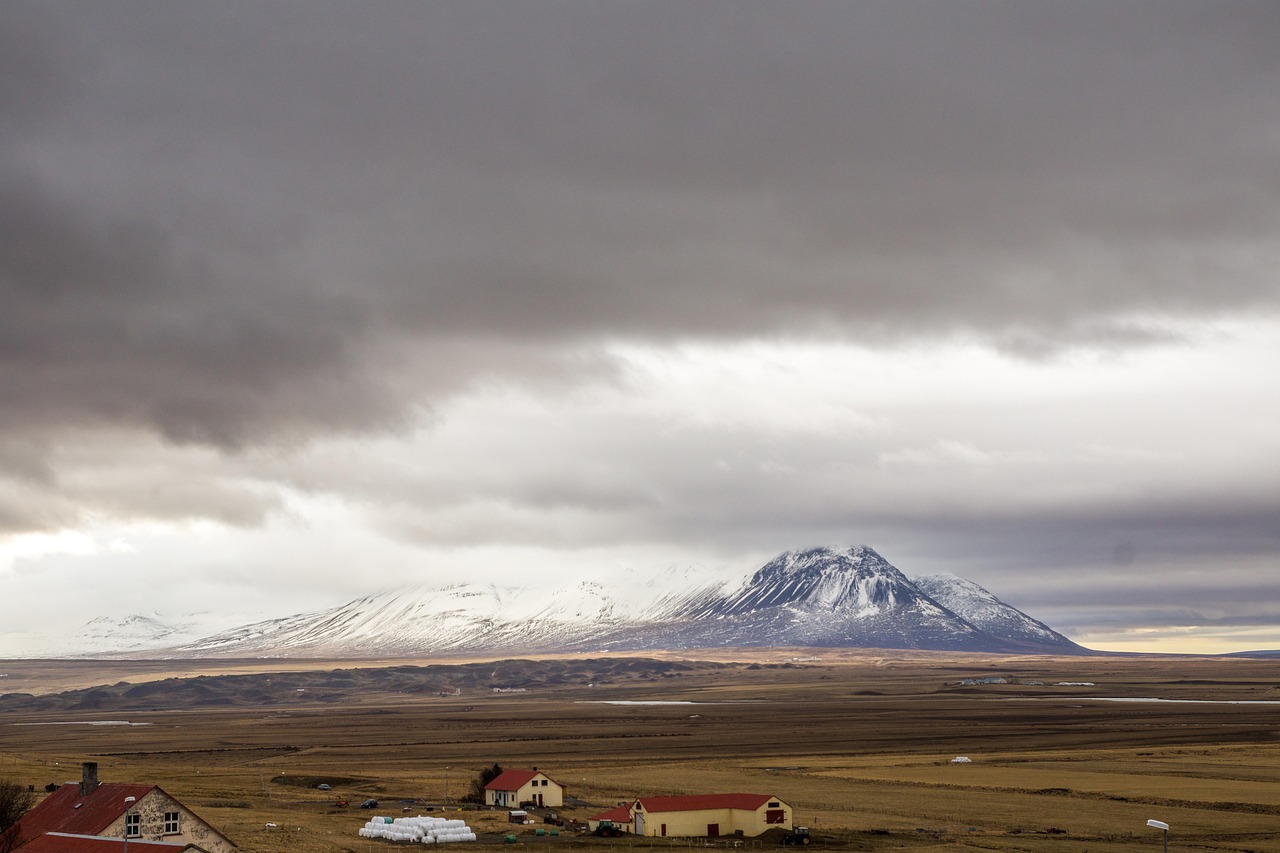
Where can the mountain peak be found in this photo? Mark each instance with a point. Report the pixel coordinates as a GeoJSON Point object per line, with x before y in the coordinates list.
{"type": "Point", "coordinates": [828, 578]}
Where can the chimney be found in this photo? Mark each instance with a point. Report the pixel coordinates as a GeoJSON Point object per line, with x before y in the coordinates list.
{"type": "Point", "coordinates": [89, 781]}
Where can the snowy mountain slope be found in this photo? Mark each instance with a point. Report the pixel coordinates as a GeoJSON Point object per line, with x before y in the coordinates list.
{"type": "Point", "coordinates": [982, 609]}
{"type": "Point", "coordinates": [461, 617]}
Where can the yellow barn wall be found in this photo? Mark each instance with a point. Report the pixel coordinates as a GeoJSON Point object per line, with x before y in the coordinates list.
{"type": "Point", "coordinates": [686, 823]}
{"type": "Point", "coordinates": [552, 794]}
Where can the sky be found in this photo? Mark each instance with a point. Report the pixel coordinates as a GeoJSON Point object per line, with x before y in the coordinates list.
{"type": "Point", "coordinates": [300, 301]}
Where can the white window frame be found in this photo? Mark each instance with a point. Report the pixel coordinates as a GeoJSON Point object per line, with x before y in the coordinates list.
{"type": "Point", "coordinates": [132, 825]}
{"type": "Point", "coordinates": [172, 823]}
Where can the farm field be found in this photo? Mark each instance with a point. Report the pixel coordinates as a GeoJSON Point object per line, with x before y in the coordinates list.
{"type": "Point", "coordinates": [860, 743]}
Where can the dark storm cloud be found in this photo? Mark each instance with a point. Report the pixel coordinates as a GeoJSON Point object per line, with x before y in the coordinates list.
{"type": "Point", "coordinates": [244, 224]}
{"type": "Point", "coordinates": [219, 220]}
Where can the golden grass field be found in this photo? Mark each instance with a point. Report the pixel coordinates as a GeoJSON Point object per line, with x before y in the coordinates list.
{"type": "Point", "coordinates": [858, 742]}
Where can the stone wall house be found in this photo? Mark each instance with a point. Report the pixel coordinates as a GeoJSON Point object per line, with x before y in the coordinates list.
{"type": "Point", "coordinates": [129, 812]}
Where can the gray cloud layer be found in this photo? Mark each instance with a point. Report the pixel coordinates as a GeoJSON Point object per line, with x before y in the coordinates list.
{"type": "Point", "coordinates": [233, 229]}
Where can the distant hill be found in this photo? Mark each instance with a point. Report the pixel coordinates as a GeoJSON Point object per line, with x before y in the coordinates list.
{"type": "Point", "coordinates": [364, 684]}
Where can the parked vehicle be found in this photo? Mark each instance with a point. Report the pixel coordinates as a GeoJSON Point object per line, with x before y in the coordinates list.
{"type": "Point", "coordinates": [608, 829]}
{"type": "Point", "coordinates": [369, 804]}
{"type": "Point", "coordinates": [553, 819]}
{"type": "Point", "coordinates": [323, 786]}
{"type": "Point", "coordinates": [799, 835]}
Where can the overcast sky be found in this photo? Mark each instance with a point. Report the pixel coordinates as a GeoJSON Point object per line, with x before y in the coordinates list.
{"type": "Point", "coordinates": [304, 300]}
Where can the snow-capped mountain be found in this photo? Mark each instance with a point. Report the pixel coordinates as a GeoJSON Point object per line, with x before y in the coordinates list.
{"type": "Point", "coordinates": [982, 609]}
{"type": "Point", "coordinates": [818, 597]}
{"type": "Point", "coordinates": [124, 635]}
{"type": "Point", "coordinates": [838, 599]}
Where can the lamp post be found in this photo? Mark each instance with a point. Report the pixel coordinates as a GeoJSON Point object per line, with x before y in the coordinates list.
{"type": "Point", "coordinates": [128, 807]}
{"type": "Point", "coordinates": [1163, 827]}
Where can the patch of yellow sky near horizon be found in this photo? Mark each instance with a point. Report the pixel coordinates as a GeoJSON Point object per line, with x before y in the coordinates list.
{"type": "Point", "coordinates": [1184, 640]}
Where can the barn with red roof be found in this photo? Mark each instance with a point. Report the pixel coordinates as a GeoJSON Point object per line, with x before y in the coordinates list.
{"type": "Point", "coordinates": [709, 815]}
{"type": "Point", "coordinates": [517, 788]}
{"type": "Point", "coordinates": [71, 816]}
{"type": "Point", "coordinates": [619, 815]}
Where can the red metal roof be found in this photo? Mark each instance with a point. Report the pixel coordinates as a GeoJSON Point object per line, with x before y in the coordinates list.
{"type": "Point", "coordinates": [617, 814]}
{"type": "Point", "coordinates": [697, 802]}
{"type": "Point", "coordinates": [512, 780]}
{"type": "Point", "coordinates": [66, 811]}
{"type": "Point", "coordinates": [61, 842]}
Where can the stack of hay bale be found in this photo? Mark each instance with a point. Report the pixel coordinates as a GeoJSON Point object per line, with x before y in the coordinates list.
{"type": "Point", "coordinates": [425, 830]}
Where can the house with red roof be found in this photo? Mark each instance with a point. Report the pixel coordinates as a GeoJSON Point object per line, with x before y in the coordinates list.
{"type": "Point", "coordinates": [518, 788]}
{"type": "Point", "coordinates": [619, 815]}
{"type": "Point", "coordinates": [142, 817]}
{"type": "Point", "coordinates": [709, 815]}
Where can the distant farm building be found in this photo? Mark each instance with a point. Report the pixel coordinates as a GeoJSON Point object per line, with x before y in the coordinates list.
{"type": "Point", "coordinates": [93, 817]}
{"type": "Point", "coordinates": [619, 815]}
{"type": "Point", "coordinates": [709, 815]}
{"type": "Point", "coordinates": [514, 788]}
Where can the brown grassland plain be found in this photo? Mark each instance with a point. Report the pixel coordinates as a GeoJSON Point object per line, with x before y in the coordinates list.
{"type": "Point", "coordinates": [858, 742]}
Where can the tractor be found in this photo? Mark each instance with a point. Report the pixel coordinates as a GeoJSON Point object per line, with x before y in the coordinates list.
{"type": "Point", "coordinates": [799, 835]}
{"type": "Point", "coordinates": [608, 829]}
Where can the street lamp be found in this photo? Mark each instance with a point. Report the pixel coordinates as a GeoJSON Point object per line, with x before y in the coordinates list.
{"type": "Point", "coordinates": [1163, 827]}
{"type": "Point", "coordinates": [128, 805]}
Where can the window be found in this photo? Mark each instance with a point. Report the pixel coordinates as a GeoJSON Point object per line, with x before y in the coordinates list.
{"type": "Point", "coordinates": [132, 825]}
{"type": "Point", "coordinates": [172, 823]}
{"type": "Point", "coordinates": [775, 805]}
